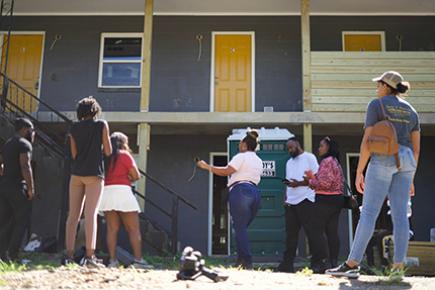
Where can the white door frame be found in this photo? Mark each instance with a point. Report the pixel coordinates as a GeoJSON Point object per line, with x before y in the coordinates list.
{"type": "Point", "coordinates": [210, 208]}
{"type": "Point", "coordinates": [3, 33]}
{"type": "Point", "coordinates": [348, 32]}
{"type": "Point", "coordinates": [212, 72]}
{"type": "Point", "coordinates": [349, 211]}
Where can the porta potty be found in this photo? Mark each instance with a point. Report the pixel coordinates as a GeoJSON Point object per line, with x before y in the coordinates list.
{"type": "Point", "coordinates": [267, 231]}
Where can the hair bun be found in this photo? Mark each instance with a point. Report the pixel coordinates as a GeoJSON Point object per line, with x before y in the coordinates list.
{"type": "Point", "coordinates": [253, 134]}
{"type": "Point", "coordinates": [403, 87]}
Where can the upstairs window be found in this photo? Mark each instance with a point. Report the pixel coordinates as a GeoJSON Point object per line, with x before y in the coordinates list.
{"type": "Point", "coordinates": [120, 60]}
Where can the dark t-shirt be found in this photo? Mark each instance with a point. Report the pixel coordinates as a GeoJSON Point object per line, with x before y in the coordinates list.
{"type": "Point", "coordinates": [88, 137]}
{"type": "Point", "coordinates": [399, 112]}
{"type": "Point", "coordinates": [12, 177]}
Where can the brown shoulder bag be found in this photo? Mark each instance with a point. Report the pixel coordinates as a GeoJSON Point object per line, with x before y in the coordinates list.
{"type": "Point", "coordinates": [383, 138]}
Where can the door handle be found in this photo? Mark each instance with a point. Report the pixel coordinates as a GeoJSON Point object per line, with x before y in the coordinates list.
{"type": "Point", "coordinates": [37, 85]}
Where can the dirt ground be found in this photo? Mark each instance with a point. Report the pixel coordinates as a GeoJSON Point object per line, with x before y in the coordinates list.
{"type": "Point", "coordinates": [83, 278]}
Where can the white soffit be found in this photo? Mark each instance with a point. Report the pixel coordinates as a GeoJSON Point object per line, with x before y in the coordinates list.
{"type": "Point", "coordinates": [224, 7]}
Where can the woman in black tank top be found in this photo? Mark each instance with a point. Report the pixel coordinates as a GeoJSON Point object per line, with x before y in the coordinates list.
{"type": "Point", "coordinates": [89, 140]}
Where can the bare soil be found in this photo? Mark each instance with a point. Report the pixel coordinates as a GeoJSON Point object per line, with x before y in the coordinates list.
{"type": "Point", "coordinates": [83, 278]}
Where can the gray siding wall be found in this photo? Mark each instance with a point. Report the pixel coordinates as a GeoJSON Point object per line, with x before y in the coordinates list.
{"type": "Point", "coordinates": [423, 203]}
{"type": "Point", "coordinates": [179, 81]}
{"type": "Point", "coordinates": [171, 161]}
{"type": "Point", "coordinates": [70, 69]}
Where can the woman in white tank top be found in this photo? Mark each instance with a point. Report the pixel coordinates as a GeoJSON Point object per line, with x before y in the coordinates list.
{"type": "Point", "coordinates": [244, 171]}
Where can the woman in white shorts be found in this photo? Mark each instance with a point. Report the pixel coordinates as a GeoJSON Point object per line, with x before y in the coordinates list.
{"type": "Point", "coordinates": [118, 202]}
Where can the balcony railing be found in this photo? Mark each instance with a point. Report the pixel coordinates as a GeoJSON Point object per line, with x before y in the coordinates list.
{"type": "Point", "coordinates": [341, 81]}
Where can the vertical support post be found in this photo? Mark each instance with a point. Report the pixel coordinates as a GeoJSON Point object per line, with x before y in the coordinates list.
{"type": "Point", "coordinates": [146, 56]}
{"type": "Point", "coordinates": [306, 55]}
{"type": "Point", "coordinates": [308, 137]}
{"type": "Point", "coordinates": [306, 71]}
{"type": "Point", "coordinates": [306, 75]}
{"type": "Point", "coordinates": [143, 141]}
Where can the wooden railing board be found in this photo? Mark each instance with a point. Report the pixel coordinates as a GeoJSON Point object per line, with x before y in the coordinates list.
{"type": "Point", "coordinates": [341, 81]}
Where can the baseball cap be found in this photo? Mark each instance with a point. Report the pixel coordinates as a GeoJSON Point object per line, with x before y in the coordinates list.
{"type": "Point", "coordinates": [391, 78]}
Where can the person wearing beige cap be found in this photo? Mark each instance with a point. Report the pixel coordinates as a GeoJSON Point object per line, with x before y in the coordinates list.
{"type": "Point", "coordinates": [384, 178]}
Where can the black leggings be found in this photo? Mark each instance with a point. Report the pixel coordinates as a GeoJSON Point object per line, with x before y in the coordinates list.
{"type": "Point", "coordinates": [328, 208]}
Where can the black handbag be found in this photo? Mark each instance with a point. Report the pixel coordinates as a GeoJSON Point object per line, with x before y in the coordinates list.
{"type": "Point", "coordinates": [349, 199]}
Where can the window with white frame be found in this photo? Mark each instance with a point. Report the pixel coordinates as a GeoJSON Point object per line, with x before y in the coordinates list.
{"type": "Point", "coordinates": [120, 60]}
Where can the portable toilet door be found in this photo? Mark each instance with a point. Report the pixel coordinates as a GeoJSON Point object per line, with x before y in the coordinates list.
{"type": "Point", "coordinates": [267, 231]}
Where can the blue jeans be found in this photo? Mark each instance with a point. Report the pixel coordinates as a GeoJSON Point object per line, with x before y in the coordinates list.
{"type": "Point", "coordinates": [244, 200]}
{"type": "Point", "coordinates": [383, 179]}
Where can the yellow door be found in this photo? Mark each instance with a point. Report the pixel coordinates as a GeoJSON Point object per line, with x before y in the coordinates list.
{"type": "Point", "coordinates": [233, 69]}
{"type": "Point", "coordinates": [362, 42]}
{"type": "Point", "coordinates": [24, 66]}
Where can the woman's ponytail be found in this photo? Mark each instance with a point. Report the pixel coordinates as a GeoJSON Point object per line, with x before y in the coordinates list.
{"type": "Point", "coordinates": [403, 87]}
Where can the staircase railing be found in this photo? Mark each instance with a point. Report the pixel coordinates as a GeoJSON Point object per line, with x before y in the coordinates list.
{"type": "Point", "coordinates": [17, 101]}
{"type": "Point", "coordinates": [173, 214]}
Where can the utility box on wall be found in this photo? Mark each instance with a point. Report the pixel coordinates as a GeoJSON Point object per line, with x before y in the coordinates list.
{"type": "Point", "coordinates": [267, 231]}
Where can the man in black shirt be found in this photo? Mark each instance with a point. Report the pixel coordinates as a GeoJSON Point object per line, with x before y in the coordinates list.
{"type": "Point", "coordinates": [16, 188]}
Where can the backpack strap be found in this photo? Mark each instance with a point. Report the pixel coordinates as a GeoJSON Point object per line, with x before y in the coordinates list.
{"type": "Point", "coordinates": [383, 110]}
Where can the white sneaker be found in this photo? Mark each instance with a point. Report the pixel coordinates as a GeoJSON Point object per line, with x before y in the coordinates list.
{"type": "Point", "coordinates": [113, 264]}
{"type": "Point", "coordinates": [33, 245]}
{"type": "Point", "coordinates": [141, 264]}
{"type": "Point", "coordinates": [92, 262]}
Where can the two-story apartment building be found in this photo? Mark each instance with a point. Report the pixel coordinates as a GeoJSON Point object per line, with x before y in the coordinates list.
{"type": "Point", "coordinates": [178, 80]}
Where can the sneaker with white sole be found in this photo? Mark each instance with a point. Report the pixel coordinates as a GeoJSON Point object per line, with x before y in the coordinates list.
{"type": "Point", "coordinates": [67, 261]}
{"type": "Point", "coordinates": [141, 264]}
{"type": "Point", "coordinates": [344, 270]}
{"type": "Point", "coordinates": [113, 264]}
{"type": "Point", "coordinates": [91, 262]}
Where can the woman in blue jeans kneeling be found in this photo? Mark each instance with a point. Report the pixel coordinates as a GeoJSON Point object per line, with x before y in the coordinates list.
{"type": "Point", "coordinates": [244, 198]}
{"type": "Point", "coordinates": [383, 178]}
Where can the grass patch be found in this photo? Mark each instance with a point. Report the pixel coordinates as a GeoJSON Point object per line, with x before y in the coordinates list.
{"type": "Point", "coordinates": [42, 261]}
{"type": "Point", "coordinates": [163, 262]}
{"type": "Point", "coordinates": [386, 275]}
{"type": "Point", "coordinates": [11, 267]}
{"type": "Point", "coordinates": [305, 272]}
{"type": "Point", "coordinates": [37, 261]}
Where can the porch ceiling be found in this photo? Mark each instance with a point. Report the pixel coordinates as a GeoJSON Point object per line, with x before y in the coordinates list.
{"type": "Point", "coordinates": [223, 7]}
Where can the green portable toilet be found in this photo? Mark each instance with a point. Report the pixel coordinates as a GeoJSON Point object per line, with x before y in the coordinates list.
{"type": "Point", "coordinates": [267, 231]}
